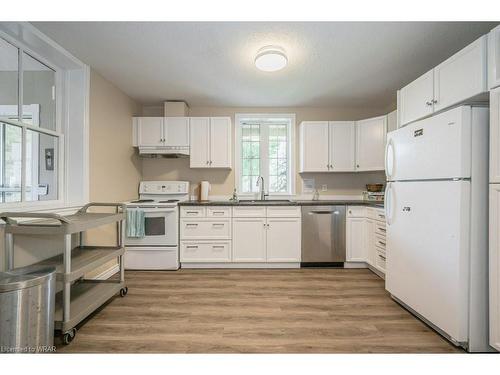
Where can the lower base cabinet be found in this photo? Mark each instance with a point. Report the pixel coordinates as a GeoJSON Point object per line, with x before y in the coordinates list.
{"type": "Point", "coordinates": [365, 237]}
{"type": "Point", "coordinates": [283, 240]}
{"type": "Point", "coordinates": [249, 240]}
{"type": "Point", "coordinates": [246, 235]}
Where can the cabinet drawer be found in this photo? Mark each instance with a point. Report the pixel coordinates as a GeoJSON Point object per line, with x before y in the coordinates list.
{"type": "Point", "coordinates": [375, 213]}
{"type": "Point", "coordinates": [249, 211]}
{"type": "Point", "coordinates": [219, 251]}
{"type": "Point", "coordinates": [283, 211]}
{"type": "Point", "coordinates": [380, 261]}
{"type": "Point", "coordinates": [356, 211]}
{"type": "Point", "coordinates": [193, 211]}
{"type": "Point", "coordinates": [380, 241]}
{"type": "Point", "coordinates": [205, 229]}
{"type": "Point", "coordinates": [379, 229]}
{"type": "Point", "coordinates": [216, 211]}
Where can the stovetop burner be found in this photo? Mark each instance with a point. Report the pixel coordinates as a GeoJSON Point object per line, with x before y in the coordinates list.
{"type": "Point", "coordinates": [143, 201]}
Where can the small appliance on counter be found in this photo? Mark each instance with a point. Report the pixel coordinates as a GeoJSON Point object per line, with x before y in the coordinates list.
{"type": "Point", "coordinates": [204, 190]}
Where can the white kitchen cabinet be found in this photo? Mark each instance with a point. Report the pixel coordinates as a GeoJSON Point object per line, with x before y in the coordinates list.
{"type": "Point", "coordinates": [220, 142]}
{"type": "Point", "coordinates": [462, 76]}
{"type": "Point", "coordinates": [327, 146]}
{"type": "Point", "coordinates": [249, 239]}
{"type": "Point", "coordinates": [314, 146]}
{"type": "Point", "coordinates": [370, 144]}
{"type": "Point", "coordinates": [342, 136]}
{"type": "Point", "coordinates": [205, 251]}
{"type": "Point", "coordinates": [392, 121]}
{"type": "Point", "coordinates": [161, 131]}
{"type": "Point", "coordinates": [355, 241]}
{"type": "Point", "coordinates": [415, 99]}
{"type": "Point", "coordinates": [283, 240]}
{"type": "Point", "coordinates": [495, 135]}
{"type": "Point", "coordinates": [149, 131]}
{"type": "Point", "coordinates": [494, 58]}
{"type": "Point", "coordinates": [210, 142]}
{"type": "Point", "coordinates": [176, 131]}
{"type": "Point", "coordinates": [494, 266]}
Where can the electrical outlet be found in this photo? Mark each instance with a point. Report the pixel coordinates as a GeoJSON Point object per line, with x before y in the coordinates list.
{"type": "Point", "coordinates": [324, 187]}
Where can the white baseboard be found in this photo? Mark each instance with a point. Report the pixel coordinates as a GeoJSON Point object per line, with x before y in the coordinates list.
{"type": "Point", "coordinates": [240, 265]}
{"type": "Point", "coordinates": [355, 265]}
{"type": "Point", "coordinates": [108, 273]}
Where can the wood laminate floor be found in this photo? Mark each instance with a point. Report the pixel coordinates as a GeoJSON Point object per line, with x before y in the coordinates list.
{"type": "Point", "coordinates": [255, 311]}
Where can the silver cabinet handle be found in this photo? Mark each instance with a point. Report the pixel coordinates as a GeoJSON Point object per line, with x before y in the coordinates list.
{"type": "Point", "coordinates": [191, 212]}
{"type": "Point", "coordinates": [217, 247]}
{"type": "Point", "coordinates": [382, 243]}
{"type": "Point", "coordinates": [434, 101]}
{"type": "Point", "coordinates": [218, 224]}
{"type": "Point", "coordinates": [382, 229]}
{"type": "Point", "coordinates": [191, 224]}
{"type": "Point", "coordinates": [428, 103]}
{"type": "Point", "coordinates": [381, 257]}
{"type": "Point", "coordinates": [192, 247]}
{"type": "Point", "coordinates": [218, 212]}
{"type": "Point", "coordinates": [208, 162]}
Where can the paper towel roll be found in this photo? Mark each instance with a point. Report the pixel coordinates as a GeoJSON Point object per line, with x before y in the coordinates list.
{"type": "Point", "coordinates": [204, 190]}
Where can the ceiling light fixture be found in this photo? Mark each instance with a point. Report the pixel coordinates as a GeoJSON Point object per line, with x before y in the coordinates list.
{"type": "Point", "coordinates": [271, 59]}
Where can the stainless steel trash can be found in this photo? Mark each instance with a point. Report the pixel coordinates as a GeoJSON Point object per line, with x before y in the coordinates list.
{"type": "Point", "coordinates": [27, 300]}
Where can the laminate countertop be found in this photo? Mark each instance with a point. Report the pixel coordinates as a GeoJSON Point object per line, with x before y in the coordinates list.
{"type": "Point", "coordinates": [282, 202]}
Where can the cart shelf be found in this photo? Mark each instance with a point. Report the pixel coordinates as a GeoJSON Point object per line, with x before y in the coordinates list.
{"type": "Point", "coordinates": [86, 297]}
{"type": "Point", "coordinates": [83, 260]}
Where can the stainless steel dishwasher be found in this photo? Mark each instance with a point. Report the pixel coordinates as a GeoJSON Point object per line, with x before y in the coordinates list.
{"type": "Point", "coordinates": [323, 236]}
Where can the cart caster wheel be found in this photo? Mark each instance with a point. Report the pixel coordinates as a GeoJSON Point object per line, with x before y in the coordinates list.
{"type": "Point", "coordinates": [69, 336]}
{"type": "Point", "coordinates": [123, 291]}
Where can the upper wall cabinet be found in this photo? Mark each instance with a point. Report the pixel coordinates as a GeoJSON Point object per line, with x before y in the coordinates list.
{"type": "Point", "coordinates": [415, 99]}
{"type": "Point", "coordinates": [210, 142]}
{"type": "Point", "coordinates": [161, 131]}
{"type": "Point", "coordinates": [494, 58]}
{"type": "Point", "coordinates": [495, 135]}
{"type": "Point", "coordinates": [461, 77]}
{"type": "Point", "coordinates": [392, 121]}
{"type": "Point", "coordinates": [327, 146]}
{"type": "Point", "coordinates": [370, 144]}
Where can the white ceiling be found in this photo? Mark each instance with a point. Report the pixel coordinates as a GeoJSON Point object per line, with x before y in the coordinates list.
{"type": "Point", "coordinates": [211, 64]}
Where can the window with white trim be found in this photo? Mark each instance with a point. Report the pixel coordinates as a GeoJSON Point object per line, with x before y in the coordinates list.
{"type": "Point", "coordinates": [30, 136]}
{"type": "Point", "coordinates": [265, 145]}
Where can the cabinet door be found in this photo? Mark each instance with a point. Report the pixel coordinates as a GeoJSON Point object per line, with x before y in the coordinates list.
{"type": "Point", "coordinates": [495, 135]}
{"type": "Point", "coordinates": [355, 241]}
{"type": "Point", "coordinates": [495, 266]}
{"type": "Point", "coordinates": [283, 240]}
{"type": "Point", "coordinates": [392, 121]}
{"type": "Point", "coordinates": [249, 239]}
{"type": "Point", "coordinates": [150, 131]}
{"type": "Point", "coordinates": [199, 134]}
{"type": "Point", "coordinates": [176, 131]}
{"type": "Point", "coordinates": [370, 144]}
{"type": "Point", "coordinates": [220, 142]}
{"type": "Point", "coordinates": [314, 149]}
{"type": "Point", "coordinates": [462, 76]}
{"type": "Point", "coordinates": [342, 146]}
{"type": "Point", "coordinates": [494, 58]}
{"type": "Point", "coordinates": [416, 98]}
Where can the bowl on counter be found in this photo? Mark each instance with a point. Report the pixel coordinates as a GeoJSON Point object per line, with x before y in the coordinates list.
{"type": "Point", "coordinates": [374, 188]}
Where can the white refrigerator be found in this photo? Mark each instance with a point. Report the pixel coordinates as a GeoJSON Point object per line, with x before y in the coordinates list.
{"type": "Point", "coordinates": [437, 214]}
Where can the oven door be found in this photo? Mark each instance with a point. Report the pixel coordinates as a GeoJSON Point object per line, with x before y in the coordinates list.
{"type": "Point", "coordinates": [160, 227]}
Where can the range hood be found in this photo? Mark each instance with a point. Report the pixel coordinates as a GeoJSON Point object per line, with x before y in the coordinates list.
{"type": "Point", "coordinates": [164, 151]}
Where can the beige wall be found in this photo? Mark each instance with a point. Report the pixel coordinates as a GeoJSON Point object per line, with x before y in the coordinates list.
{"type": "Point", "coordinates": [115, 168]}
{"type": "Point", "coordinates": [223, 181]}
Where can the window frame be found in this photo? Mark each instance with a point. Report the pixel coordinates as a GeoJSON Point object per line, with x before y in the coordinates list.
{"type": "Point", "coordinates": [72, 95]}
{"type": "Point", "coordinates": [261, 117]}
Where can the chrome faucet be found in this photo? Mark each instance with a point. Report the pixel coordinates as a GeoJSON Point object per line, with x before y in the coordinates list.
{"type": "Point", "coordinates": [262, 193]}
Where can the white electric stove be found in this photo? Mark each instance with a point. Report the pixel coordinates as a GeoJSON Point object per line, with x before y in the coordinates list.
{"type": "Point", "coordinates": [159, 248]}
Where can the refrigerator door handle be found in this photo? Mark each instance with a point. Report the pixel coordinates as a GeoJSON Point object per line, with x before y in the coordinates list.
{"type": "Point", "coordinates": [389, 173]}
{"type": "Point", "coordinates": [388, 203]}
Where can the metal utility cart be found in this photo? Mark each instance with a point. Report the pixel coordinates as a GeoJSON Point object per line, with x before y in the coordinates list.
{"type": "Point", "coordinates": [79, 297]}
